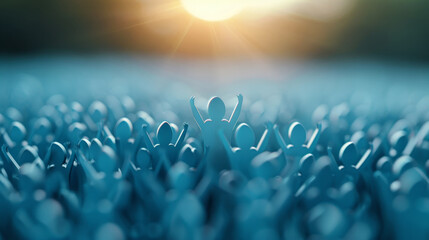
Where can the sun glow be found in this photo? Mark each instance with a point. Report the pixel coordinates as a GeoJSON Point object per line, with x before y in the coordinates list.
{"type": "Point", "coordinates": [213, 10]}
{"type": "Point", "coordinates": [258, 27]}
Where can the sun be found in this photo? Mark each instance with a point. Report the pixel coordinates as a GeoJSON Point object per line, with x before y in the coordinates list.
{"type": "Point", "coordinates": [213, 10]}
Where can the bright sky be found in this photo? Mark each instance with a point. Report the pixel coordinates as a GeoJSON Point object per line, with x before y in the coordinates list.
{"type": "Point", "coordinates": [219, 10]}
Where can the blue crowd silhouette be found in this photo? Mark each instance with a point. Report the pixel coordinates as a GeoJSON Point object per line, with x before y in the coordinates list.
{"type": "Point", "coordinates": [113, 170]}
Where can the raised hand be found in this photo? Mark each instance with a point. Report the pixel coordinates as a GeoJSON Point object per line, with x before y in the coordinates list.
{"type": "Point", "coordinates": [236, 113]}
{"type": "Point", "coordinates": [146, 138]}
{"type": "Point", "coordinates": [280, 139]}
{"type": "Point", "coordinates": [269, 125]}
{"type": "Point", "coordinates": [197, 116]}
{"type": "Point", "coordinates": [240, 97]}
{"type": "Point", "coordinates": [263, 142]}
{"type": "Point", "coordinates": [181, 138]}
{"type": "Point", "coordinates": [314, 138]}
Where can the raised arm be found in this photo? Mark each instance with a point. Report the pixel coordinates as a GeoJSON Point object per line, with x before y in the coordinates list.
{"type": "Point", "coordinates": [198, 118]}
{"type": "Point", "coordinates": [424, 130]}
{"type": "Point", "coordinates": [126, 167]}
{"type": "Point", "coordinates": [103, 131]}
{"type": "Point", "coordinates": [263, 142]}
{"type": "Point", "coordinates": [314, 138]}
{"type": "Point", "coordinates": [47, 156]}
{"type": "Point", "coordinates": [366, 159]}
{"type": "Point", "coordinates": [182, 136]}
{"type": "Point", "coordinates": [89, 170]}
{"type": "Point", "coordinates": [5, 136]}
{"type": "Point", "coordinates": [306, 185]}
{"type": "Point", "coordinates": [69, 164]}
{"type": "Point", "coordinates": [332, 158]}
{"type": "Point", "coordinates": [225, 144]}
{"type": "Point", "coordinates": [236, 113]}
{"type": "Point", "coordinates": [10, 162]}
{"type": "Point", "coordinates": [106, 131]}
{"type": "Point", "coordinates": [146, 138]}
{"type": "Point", "coordinates": [280, 139]}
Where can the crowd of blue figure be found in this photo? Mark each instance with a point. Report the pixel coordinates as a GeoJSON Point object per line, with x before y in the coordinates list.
{"type": "Point", "coordinates": [76, 173]}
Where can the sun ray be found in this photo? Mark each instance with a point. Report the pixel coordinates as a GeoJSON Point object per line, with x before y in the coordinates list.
{"type": "Point", "coordinates": [159, 14]}
{"type": "Point", "coordinates": [258, 59]}
{"type": "Point", "coordinates": [164, 8]}
{"type": "Point", "coordinates": [244, 43]}
{"type": "Point", "coordinates": [182, 37]}
{"type": "Point", "coordinates": [215, 39]}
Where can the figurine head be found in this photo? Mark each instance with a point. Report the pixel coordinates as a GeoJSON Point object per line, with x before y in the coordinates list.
{"type": "Point", "coordinates": [244, 136]}
{"type": "Point", "coordinates": [297, 134]}
{"type": "Point", "coordinates": [17, 132]}
{"type": "Point", "coordinates": [143, 159]}
{"type": "Point", "coordinates": [123, 129]}
{"type": "Point", "coordinates": [399, 141]}
{"type": "Point", "coordinates": [216, 109]}
{"type": "Point", "coordinates": [164, 133]}
{"type": "Point", "coordinates": [349, 154]}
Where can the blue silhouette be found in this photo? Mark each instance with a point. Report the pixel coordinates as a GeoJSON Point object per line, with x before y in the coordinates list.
{"type": "Point", "coordinates": [350, 162]}
{"type": "Point", "coordinates": [211, 126]}
{"type": "Point", "coordinates": [297, 149]}
{"type": "Point", "coordinates": [165, 147]}
{"type": "Point", "coordinates": [241, 156]}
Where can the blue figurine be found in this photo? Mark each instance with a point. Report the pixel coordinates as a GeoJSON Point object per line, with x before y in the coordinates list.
{"type": "Point", "coordinates": [164, 146]}
{"type": "Point", "coordinates": [210, 127]}
{"type": "Point", "coordinates": [297, 149]}
{"type": "Point", "coordinates": [297, 136]}
{"type": "Point", "coordinates": [242, 155]}
{"type": "Point", "coordinates": [351, 166]}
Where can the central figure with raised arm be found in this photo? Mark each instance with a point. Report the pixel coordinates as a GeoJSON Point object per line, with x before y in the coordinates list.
{"type": "Point", "coordinates": [216, 156]}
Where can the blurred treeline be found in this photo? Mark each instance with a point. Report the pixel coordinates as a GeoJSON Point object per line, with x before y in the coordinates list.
{"type": "Point", "coordinates": [393, 29]}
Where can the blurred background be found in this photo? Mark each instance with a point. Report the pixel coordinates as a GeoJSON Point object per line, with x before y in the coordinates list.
{"type": "Point", "coordinates": [297, 29]}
